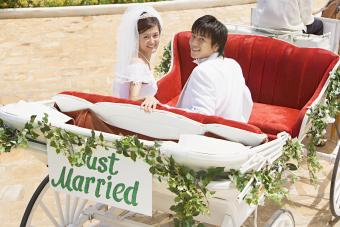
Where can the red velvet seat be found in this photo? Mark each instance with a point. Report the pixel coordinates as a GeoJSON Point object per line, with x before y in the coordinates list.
{"type": "Point", "coordinates": [283, 79]}
{"type": "Point", "coordinates": [274, 118]}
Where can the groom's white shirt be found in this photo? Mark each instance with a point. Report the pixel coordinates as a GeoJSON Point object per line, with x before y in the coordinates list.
{"type": "Point", "coordinates": [216, 87]}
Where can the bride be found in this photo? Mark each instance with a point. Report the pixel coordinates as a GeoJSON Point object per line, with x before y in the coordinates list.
{"type": "Point", "coordinates": [137, 39]}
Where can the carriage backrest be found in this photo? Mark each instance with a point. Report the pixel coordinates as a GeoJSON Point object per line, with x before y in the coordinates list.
{"type": "Point", "coordinates": [276, 72]}
{"type": "Point", "coordinates": [114, 112]}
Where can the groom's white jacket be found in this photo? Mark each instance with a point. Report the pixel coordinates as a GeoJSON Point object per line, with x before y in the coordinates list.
{"type": "Point", "coordinates": [216, 87]}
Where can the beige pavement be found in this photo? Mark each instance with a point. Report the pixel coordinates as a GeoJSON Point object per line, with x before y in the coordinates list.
{"type": "Point", "coordinates": [40, 57]}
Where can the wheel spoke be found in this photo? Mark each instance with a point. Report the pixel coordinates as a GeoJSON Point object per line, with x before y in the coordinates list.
{"type": "Point", "coordinates": [67, 208]}
{"type": "Point", "coordinates": [48, 213]}
{"type": "Point", "coordinates": [60, 212]}
{"type": "Point", "coordinates": [73, 208]}
{"type": "Point", "coordinates": [79, 210]}
{"type": "Point", "coordinates": [125, 214]}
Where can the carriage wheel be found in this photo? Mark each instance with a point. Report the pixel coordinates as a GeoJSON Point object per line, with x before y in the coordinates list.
{"type": "Point", "coordinates": [335, 187]}
{"type": "Point", "coordinates": [50, 208]}
{"type": "Point", "coordinates": [281, 218]}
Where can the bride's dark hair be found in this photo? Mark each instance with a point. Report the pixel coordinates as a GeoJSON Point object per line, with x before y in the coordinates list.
{"type": "Point", "coordinates": [145, 23]}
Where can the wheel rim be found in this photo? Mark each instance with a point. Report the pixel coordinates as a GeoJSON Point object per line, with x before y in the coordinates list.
{"type": "Point", "coordinates": [50, 208]}
{"type": "Point", "coordinates": [281, 218]}
{"type": "Point", "coordinates": [283, 221]}
{"type": "Point", "coordinates": [335, 187]}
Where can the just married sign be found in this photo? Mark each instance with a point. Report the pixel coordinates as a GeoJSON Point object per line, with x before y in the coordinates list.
{"type": "Point", "coordinates": [106, 177]}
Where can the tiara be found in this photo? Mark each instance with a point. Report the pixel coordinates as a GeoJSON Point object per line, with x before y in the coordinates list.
{"type": "Point", "coordinates": [145, 15]}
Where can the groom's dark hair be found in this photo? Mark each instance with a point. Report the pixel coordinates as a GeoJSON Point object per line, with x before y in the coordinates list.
{"type": "Point", "coordinates": [209, 26]}
{"type": "Point", "coordinates": [146, 23]}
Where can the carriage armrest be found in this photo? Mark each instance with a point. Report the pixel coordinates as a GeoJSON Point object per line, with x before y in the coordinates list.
{"type": "Point", "coordinates": [170, 85]}
{"type": "Point", "coordinates": [236, 134]}
{"type": "Point", "coordinates": [169, 92]}
{"type": "Point", "coordinates": [316, 99]}
{"type": "Point", "coordinates": [201, 152]}
{"type": "Point", "coordinates": [25, 110]}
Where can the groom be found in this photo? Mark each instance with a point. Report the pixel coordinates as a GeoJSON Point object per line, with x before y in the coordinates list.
{"type": "Point", "coordinates": [216, 85]}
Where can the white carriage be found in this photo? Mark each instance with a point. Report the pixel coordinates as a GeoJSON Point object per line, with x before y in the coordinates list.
{"type": "Point", "coordinates": [266, 63]}
{"type": "Point", "coordinates": [193, 149]}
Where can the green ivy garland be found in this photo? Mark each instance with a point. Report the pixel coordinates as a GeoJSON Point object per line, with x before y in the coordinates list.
{"type": "Point", "coordinates": [10, 138]}
{"type": "Point", "coordinates": [165, 63]}
{"type": "Point", "coordinates": [189, 186]}
{"type": "Point", "coordinates": [321, 115]}
{"type": "Point", "coordinates": [270, 179]}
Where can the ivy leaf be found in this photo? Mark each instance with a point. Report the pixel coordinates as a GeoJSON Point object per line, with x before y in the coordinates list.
{"type": "Point", "coordinates": [159, 159]}
{"type": "Point", "coordinates": [152, 170]}
{"type": "Point", "coordinates": [53, 144]}
{"type": "Point", "coordinates": [45, 128]}
{"type": "Point", "coordinates": [32, 119]}
{"type": "Point", "coordinates": [45, 118]}
{"type": "Point", "coordinates": [291, 166]}
{"type": "Point", "coordinates": [101, 137]}
{"type": "Point", "coordinates": [133, 156]}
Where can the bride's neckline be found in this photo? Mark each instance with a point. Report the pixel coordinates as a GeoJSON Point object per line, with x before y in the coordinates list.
{"type": "Point", "coordinates": [146, 61]}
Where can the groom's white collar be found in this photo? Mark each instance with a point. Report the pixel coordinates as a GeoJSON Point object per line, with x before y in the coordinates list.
{"type": "Point", "coordinates": [211, 57]}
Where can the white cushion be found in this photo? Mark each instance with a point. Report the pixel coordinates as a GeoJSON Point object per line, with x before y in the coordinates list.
{"type": "Point", "coordinates": [68, 103]}
{"type": "Point", "coordinates": [201, 152]}
{"type": "Point", "coordinates": [158, 124]}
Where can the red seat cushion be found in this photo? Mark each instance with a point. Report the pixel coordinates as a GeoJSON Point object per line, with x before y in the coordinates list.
{"type": "Point", "coordinates": [274, 119]}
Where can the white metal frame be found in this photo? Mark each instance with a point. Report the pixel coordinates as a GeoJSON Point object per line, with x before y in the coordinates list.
{"type": "Point", "coordinates": [227, 206]}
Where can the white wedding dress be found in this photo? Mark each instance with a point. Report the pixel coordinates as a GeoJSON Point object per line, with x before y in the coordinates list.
{"type": "Point", "coordinates": [139, 73]}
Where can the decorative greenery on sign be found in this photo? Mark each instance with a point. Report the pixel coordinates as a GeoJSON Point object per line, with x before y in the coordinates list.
{"type": "Point", "coordinates": [320, 116]}
{"type": "Point", "coordinates": [188, 185]}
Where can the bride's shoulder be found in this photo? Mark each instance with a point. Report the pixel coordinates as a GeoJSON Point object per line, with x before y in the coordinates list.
{"type": "Point", "coordinates": [138, 65]}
